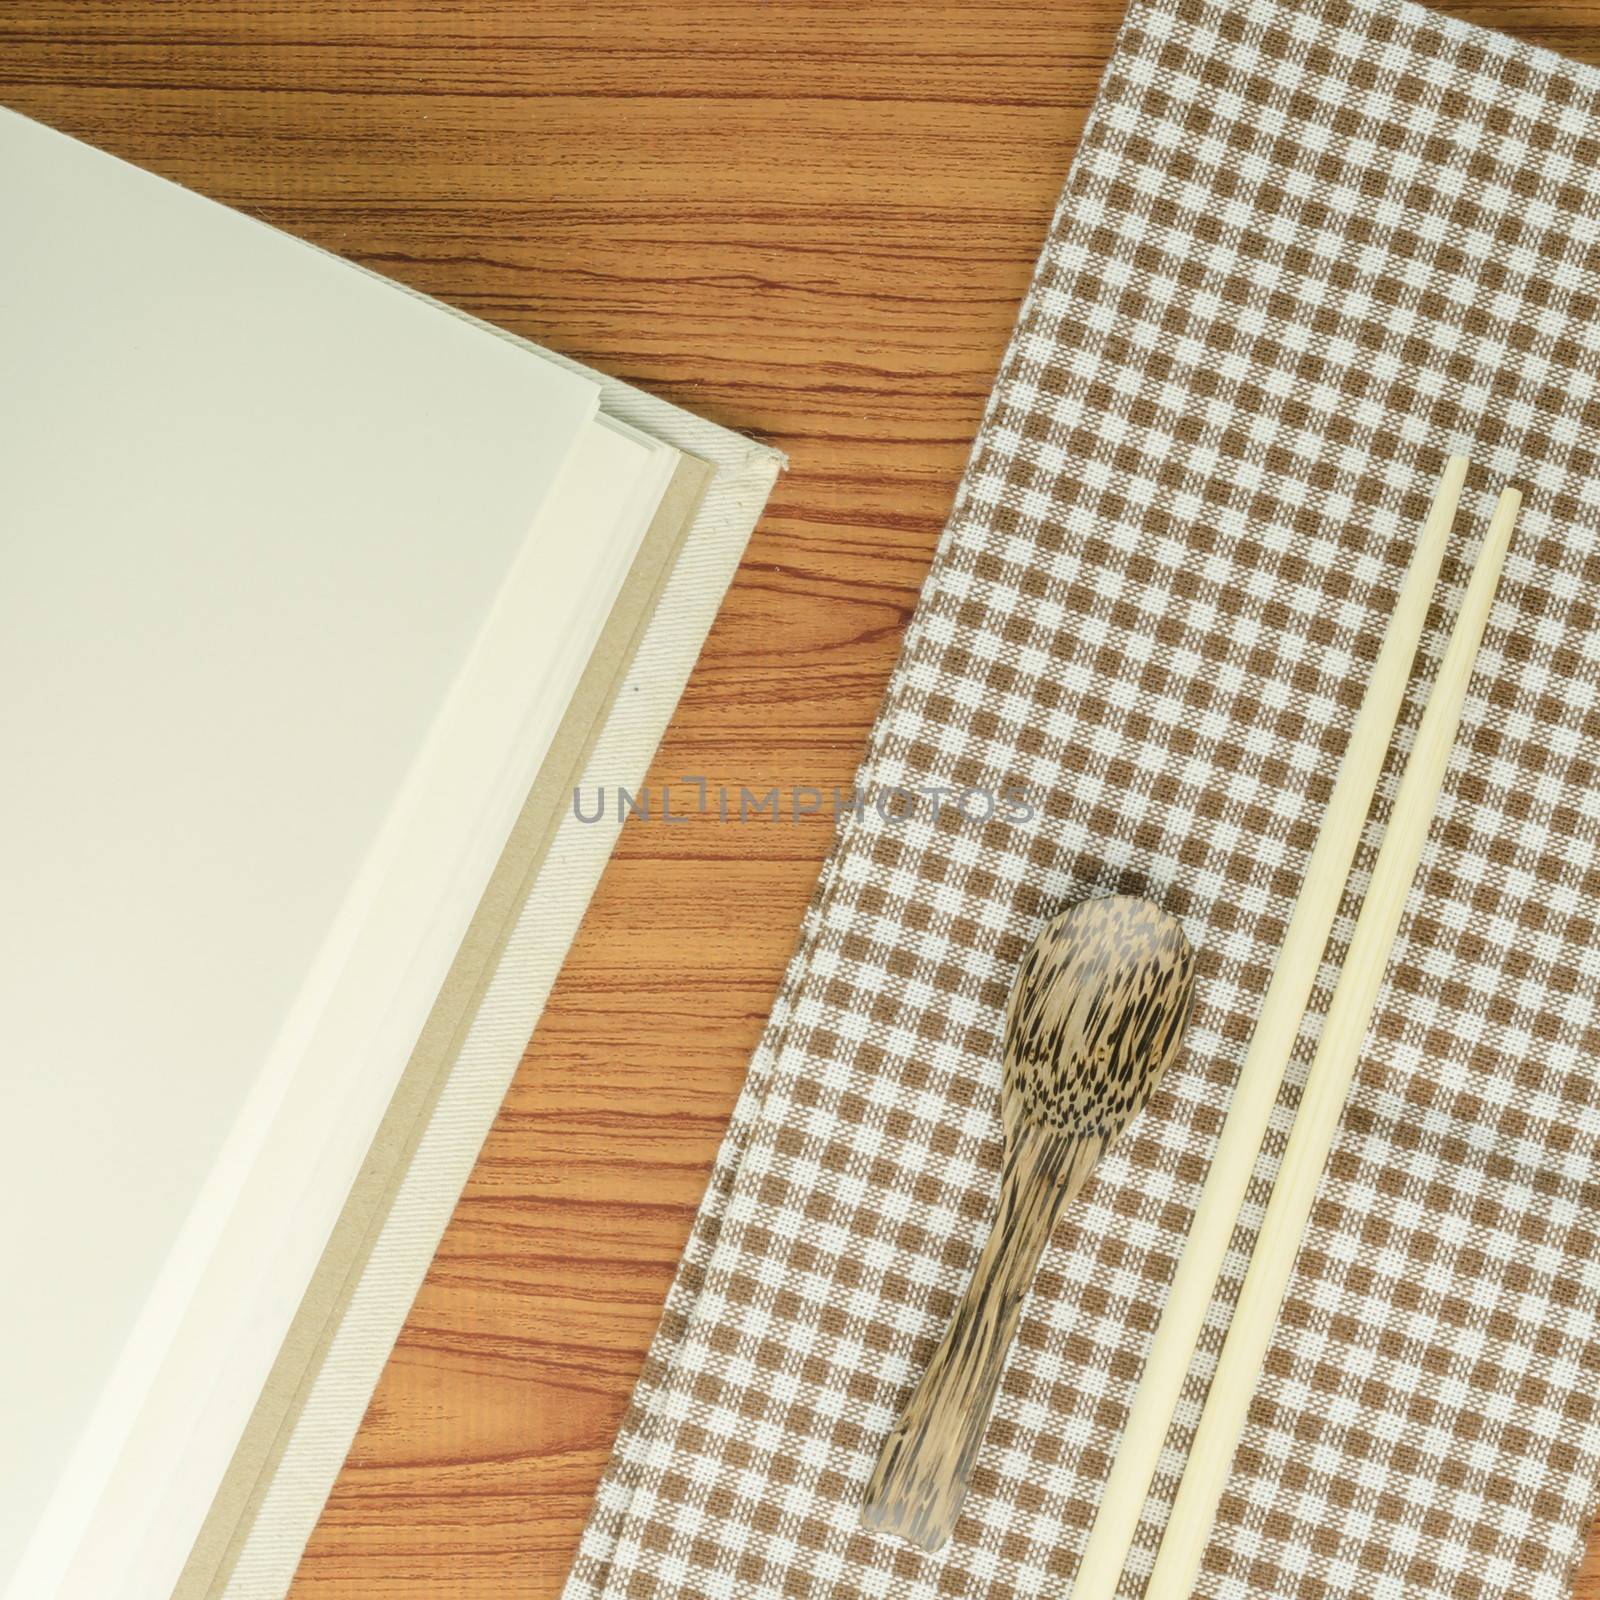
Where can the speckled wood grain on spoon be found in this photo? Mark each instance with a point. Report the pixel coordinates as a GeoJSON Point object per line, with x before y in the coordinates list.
{"type": "Point", "coordinates": [1096, 1016]}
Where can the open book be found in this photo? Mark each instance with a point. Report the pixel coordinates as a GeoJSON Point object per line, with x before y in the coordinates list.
{"type": "Point", "coordinates": [300, 575]}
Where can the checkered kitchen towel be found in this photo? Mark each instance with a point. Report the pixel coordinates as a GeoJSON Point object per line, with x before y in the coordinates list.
{"type": "Point", "coordinates": [1307, 248]}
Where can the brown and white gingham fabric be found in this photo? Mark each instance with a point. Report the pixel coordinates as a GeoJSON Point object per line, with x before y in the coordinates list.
{"type": "Point", "coordinates": [1306, 249]}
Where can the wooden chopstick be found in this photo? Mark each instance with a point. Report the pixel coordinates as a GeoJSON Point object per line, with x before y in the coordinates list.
{"type": "Point", "coordinates": [1261, 1075]}
{"type": "Point", "coordinates": [1328, 1083]}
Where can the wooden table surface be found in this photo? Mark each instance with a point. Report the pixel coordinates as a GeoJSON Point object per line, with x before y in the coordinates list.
{"type": "Point", "coordinates": [812, 221]}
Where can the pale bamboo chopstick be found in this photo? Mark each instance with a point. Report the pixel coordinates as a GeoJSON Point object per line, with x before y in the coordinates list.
{"type": "Point", "coordinates": [1328, 1083]}
{"type": "Point", "coordinates": [1261, 1075]}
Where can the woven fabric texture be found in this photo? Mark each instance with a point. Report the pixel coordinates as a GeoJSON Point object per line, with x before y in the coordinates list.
{"type": "Point", "coordinates": [1307, 248]}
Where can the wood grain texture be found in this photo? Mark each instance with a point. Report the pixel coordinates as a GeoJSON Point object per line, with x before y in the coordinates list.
{"type": "Point", "coordinates": [1094, 1020]}
{"type": "Point", "coordinates": [813, 221]}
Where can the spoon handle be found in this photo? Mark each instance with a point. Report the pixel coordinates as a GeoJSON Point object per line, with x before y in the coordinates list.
{"type": "Point", "coordinates": [923, 1469]}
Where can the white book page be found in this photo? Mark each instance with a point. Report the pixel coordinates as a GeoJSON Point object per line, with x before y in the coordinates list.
{"type": "Point", "coordinates": [213, 1371]}
{"type": "Point", "coordinates": [257, 513]}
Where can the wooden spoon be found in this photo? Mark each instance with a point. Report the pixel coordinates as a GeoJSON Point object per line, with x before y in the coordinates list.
{"type": "Point", "coordinates": [1096, 1015]}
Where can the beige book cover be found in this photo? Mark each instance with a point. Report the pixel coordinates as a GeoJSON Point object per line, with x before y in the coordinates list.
{"type": "Point", "coordinates": [348, 577]}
